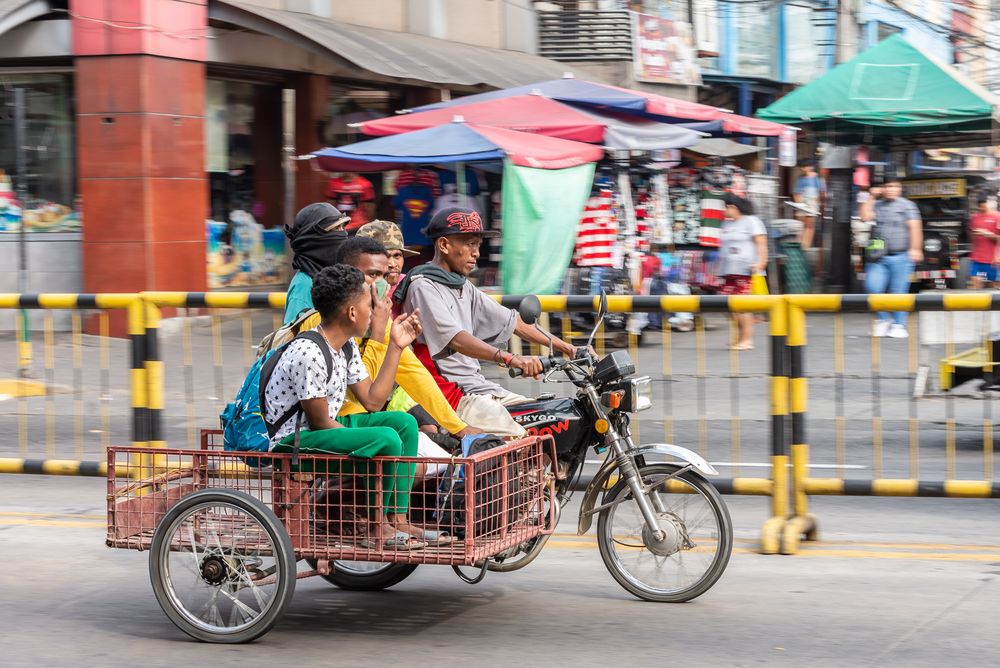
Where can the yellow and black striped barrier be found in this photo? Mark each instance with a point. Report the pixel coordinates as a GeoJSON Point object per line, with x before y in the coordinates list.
{"type": "Point", "coordinates": [802, 524]}
{"type": "Point", "coordinates": [55, 467]}
{"type": "Point", "coordinates": [787, 480]}
{"type": "Point", "coordinates": [131, 305]}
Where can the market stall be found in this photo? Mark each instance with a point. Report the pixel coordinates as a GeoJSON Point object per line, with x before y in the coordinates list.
{"type": "Point", "coordinates": [893, 99]}
{"type": "Point", "coordinates": [545, 182]}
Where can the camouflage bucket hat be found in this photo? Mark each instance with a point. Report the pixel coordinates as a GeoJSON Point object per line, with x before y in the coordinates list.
{"type": "Point", "coordinates": [386, 232]}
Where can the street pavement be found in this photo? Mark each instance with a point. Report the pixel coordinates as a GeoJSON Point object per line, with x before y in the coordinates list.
{"type": "Point", "coordinates": [892, 582]}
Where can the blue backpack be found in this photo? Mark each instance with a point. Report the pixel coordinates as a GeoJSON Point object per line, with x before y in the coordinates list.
{"type": "Point", "coordinates": [243, 425]}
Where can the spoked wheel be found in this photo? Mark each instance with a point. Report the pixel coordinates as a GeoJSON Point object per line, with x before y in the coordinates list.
{"type": "Point", "coordinates": [365, 575]}
{"type": "Point", "coordinates": [695, 547]}
{"type": "Point", "coordinates": [222, 566]}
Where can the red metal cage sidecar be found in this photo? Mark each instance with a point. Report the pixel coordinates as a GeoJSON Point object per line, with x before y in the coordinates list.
{"type": "Point", "coordinates": [225, 531]}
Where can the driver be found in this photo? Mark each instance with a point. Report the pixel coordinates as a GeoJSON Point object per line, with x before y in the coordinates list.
{"type": "Point", "coordinates": [463, 326]}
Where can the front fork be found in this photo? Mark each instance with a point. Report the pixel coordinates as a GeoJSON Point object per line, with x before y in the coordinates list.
{"type": "Point", "coordinates": [626, 464]}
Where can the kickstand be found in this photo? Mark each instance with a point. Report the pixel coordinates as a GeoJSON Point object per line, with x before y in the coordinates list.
{"type": "Point", "coordinates": [476, 580]}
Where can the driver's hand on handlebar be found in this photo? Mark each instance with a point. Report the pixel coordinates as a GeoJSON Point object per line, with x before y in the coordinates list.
{"type": "Point", "coordinates": [581, 352]}
{"type": "Point", "coordinates": [529, 366]}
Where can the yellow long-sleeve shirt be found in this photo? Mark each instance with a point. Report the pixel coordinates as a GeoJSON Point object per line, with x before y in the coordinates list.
{"type": "Point", "coordinates": [415, 380]}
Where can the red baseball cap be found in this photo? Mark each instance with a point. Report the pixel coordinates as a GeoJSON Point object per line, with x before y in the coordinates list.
{"type": "Point", "coordinates": [456, 220]}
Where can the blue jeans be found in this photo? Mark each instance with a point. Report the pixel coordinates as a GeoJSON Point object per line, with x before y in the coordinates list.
{"type": "Point", "coordinates": [890, 275]}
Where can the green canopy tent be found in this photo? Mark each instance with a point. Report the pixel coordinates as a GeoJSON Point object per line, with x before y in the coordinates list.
{"type": "Point", "coordinates": [893, 95]}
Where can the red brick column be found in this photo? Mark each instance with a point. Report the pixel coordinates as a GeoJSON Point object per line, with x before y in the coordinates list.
{"type": "Point", "coordinates": [311, 101]}
{"type": "Point", "coordinates": [140, 103]}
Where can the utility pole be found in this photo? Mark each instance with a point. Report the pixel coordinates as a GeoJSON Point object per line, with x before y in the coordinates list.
{"type": "Point", "coordinates": [21, 194]}
{"type": "Point", "coordinates": [846, 33]}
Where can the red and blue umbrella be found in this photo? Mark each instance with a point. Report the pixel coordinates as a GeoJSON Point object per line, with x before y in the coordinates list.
{"type": "Point", "coordinates": [540, 115]}
{"type": "Point", "coordinates": [458, 142]}
{"type": "Point", "coordinates": [612, 99]}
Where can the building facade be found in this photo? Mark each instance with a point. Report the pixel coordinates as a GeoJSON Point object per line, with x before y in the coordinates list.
{"type": "Point", "coordinates": [161, 137]}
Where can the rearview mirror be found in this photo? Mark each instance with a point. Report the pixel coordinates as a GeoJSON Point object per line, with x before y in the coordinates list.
{"type": "Point", "coordinates": [530, 309]}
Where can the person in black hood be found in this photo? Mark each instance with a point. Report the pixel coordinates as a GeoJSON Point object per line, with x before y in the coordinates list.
{"type": "Point", "coordinates": [315, 236]}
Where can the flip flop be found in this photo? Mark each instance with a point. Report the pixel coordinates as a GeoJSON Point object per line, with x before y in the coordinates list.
{"type": "Point", "coordinates": [400, 541]}
{"type": "Point", "coordinates": [436, 538]}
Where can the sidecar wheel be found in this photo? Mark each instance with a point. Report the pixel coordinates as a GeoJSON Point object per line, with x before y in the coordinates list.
{"type": "Point", "coordinates": [222, 566]}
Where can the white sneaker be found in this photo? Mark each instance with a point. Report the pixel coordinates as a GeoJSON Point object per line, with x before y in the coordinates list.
{"type": "Point", "coordinates": [881, 328]}
{"type": "Point", "coordinates": [898, 332]}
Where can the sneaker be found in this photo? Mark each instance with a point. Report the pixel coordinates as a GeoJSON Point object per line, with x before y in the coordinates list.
{"type": "Point", "coordinates": [881, 328]}
{"type": "Point", "coordinates": [898, 332]}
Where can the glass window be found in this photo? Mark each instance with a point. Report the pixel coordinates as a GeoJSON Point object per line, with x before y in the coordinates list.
{"type": "Point", "coordinates": [50, 154]}
{"type": "Point", "coordinates": [347, 106]}
{"type": "Point", "coordinates": [803, 61]}
{"type": "Point", "coordinates": [755, 53]}
{"type": "Point", "coordinates": [243, 135]}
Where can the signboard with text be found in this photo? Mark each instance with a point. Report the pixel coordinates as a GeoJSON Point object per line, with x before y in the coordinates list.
{"type": "Point", "coordinates": [663, 51]}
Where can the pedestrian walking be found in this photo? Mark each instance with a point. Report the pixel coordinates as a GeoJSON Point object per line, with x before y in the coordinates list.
{"type": "Point", "coordinates": [898, 226]}
{"type": "Point", "coordinates": [742, 253]}
{"type": "Point", "coordinates": [810, 191]}
{"type": "Point", "coordinates": [984, 229]}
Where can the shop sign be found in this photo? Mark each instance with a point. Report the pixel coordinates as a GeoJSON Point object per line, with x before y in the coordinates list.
{"type": "Point", "coordinates": [934, 188]}
{"type": "Point", "coordinates": [663, 51]}
{"type": "Point", "coordinates": [788, 148]}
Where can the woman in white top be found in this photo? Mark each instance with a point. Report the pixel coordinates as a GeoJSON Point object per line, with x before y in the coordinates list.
{"type": "Point", "coordinates": [742, 253]}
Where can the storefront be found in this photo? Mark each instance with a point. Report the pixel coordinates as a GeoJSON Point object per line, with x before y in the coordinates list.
{"type": "Point", "coordinates": [48, 207]}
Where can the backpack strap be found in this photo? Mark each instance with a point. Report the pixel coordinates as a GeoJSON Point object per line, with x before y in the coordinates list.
{"type": "Point", "coordinates": [267, 370]}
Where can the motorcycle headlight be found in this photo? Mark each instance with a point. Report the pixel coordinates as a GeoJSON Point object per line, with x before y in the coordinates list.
{"type": "Point", "coordinates": [631, 396]}
{"type": "Point", "coordinates": [642, 394]}
{"type": "Point", "coordinates": [932, 245]}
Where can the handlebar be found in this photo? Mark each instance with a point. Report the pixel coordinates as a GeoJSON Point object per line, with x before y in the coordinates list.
{"type": "Point", "coordinates": [546, 365]}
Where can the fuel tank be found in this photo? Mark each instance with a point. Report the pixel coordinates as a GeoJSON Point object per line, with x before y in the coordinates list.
{"type": "Point", "coordinates": [561, 418]}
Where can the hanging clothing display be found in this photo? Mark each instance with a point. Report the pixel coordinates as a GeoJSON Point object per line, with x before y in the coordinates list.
{"type": "Point", "coordinates": [597, 235]}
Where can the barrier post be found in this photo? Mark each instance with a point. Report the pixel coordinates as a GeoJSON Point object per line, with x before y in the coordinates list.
{"type": "Point", "coordinates": [154, 375]}
{"type": "Point", "coordinates": [802, 523]}
{"type": "Point", "coordinates": [771, 532]}
{"type": "Point", "coordinates": [138, 384]}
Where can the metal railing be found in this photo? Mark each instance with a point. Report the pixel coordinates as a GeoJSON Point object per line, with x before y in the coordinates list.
{"type": "Point", "coordinates": [746, 412]}
{"type": "Point", "coordinates": [901, 440]}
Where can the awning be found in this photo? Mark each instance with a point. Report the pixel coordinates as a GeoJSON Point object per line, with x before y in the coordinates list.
{"type": "Point", "coordinates": [15, 12]}
{"type": "Point", "coordinates": [891, 90]}
{"type": "Point", "coordinates": [403, 56]}
{"type": "Point", "coordinates": [723, 148]}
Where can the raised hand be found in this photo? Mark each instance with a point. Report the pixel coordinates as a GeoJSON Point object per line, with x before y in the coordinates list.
{"type": "Point", "coordinates": [405, 329]}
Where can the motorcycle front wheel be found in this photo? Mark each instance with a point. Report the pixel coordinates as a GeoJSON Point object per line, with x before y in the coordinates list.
{"type": "Point", "coordinates": [696, 542]}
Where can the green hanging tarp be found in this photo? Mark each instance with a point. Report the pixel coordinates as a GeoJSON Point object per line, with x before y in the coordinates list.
{"type": "Point", "coordinates": [892, 89]}
{"type": "Point", "coordinates": [541, 212]}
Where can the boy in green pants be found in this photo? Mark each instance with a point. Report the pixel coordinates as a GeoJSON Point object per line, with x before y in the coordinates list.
{"type": "Point", "coordinates": [344, 302]}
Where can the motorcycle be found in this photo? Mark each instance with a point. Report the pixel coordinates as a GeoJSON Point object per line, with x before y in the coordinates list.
{"type": "Point", "coordinates": [663, 530]}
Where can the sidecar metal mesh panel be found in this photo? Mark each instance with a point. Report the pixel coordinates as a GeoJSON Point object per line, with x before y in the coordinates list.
{"type": "Point", "coordinates": [332, 506]}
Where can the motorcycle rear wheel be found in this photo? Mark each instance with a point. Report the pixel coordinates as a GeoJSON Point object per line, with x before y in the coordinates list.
{"type": "Point", "coordinates": [365, 575]}
{"type": "Point", "coordinates": [696, 548]}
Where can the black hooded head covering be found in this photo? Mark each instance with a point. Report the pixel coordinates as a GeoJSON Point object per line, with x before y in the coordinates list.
{"type": "Point", "coordinates": [315, 236]}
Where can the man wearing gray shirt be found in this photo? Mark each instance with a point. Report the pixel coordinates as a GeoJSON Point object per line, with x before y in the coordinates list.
{"type": "Point", "coordinates": [462, 326]}
{"type": "Point", "coordinates": [897, 223]}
